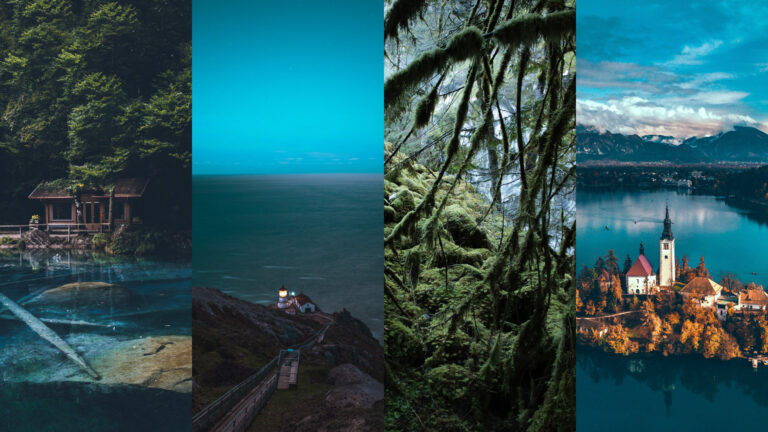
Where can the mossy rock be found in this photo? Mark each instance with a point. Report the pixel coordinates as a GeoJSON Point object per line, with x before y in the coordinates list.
{"type": "Point", "coordinates": [407, 349]}
{"type": "Point", "coordinates": [449, 381]}
{"type": "Point", "coordinates": [390, 214]}
{"type": "Point", "coordinates": [452, 254]}
{"type": "Point", "coordinates": [463, 228]}
{"type": "Point", "coordinates": [403, 202]}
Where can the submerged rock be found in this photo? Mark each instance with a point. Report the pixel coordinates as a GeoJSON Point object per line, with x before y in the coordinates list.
{"type": "Point", "coordinates": [86, 294]}
{"type": "Point", "coordinates": [159, 362]}
{"type": "Point", "coordinates": [163, 362]}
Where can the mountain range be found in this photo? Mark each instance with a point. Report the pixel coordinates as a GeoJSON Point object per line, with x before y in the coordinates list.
{"type": "Point", "coordinates": [742, 144]}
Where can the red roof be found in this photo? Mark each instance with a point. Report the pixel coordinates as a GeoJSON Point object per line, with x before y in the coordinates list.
{"type": "Point", "coordinates": [604, 276]}
{"type": "Point", "coordinates": [641, 268]}
{"type": "Point", "coordinates": [302, 299]}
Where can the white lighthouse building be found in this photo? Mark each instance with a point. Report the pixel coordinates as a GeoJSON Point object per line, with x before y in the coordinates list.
{"type": "Point", "coordinates": [667, 255]}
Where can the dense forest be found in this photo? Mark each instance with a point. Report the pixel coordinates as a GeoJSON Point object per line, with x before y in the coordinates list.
{"type": "Point", "coordinates": [92, 91]}
{"type": "Point", "coordinates": [479, 223]}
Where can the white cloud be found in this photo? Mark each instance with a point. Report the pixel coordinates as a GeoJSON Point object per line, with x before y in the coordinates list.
{"type": "Point", "coordinates": [636, 115]}
{"type": "Point", "coordinates": [692, 55]}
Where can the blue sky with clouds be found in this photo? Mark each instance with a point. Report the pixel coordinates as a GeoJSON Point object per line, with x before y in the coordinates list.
{"type": "Point", "coordinates": [287, 86]}
{"type": "Point", "coordinates": [679, 68]}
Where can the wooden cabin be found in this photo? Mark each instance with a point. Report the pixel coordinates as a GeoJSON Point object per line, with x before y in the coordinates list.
{"type": "Point", "coordinates": [90, 210]}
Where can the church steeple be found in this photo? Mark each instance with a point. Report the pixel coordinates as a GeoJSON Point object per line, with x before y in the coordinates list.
{"type": "Point", "coordinates": [642, 249]}
{"type": "Point", "coordinates": [667, 233]}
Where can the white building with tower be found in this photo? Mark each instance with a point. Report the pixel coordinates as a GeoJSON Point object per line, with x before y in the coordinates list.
{"type": "Point", "coordinates": [667, 255]}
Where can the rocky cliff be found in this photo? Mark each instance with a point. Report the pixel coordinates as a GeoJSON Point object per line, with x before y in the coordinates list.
{"type": "Point", "coordinates": [340, 380]}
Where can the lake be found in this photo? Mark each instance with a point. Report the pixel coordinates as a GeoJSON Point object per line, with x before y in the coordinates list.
{"type": "Point", "coordinates": [651, 392]}
{"type": "Point", "coordinates": [730, 239]}
{"type": "Point", "coordinates": [656, 393]}
{"type": "Point", "coordinates": [320, 234]}
{"type": "Point", "coordinates": [44, 390]}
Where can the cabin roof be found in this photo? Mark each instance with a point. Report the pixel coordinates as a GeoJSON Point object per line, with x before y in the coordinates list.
{"type": "Point", "coordinates": [302, 299]}
{"type": "Point", "coordinates": [124, 188]}
{"type": "Point", "coordinates": [701, 285]}
{"type": "Point", "coordinates": [641, 268]}
{"type": "Point", "coordinates": [753, 296]}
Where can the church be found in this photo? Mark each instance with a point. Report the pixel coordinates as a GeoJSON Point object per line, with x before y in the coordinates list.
{"type": "Point", "coordinates": [641, 279]}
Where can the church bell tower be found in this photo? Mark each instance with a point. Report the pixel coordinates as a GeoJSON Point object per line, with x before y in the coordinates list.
{"type": "Point", "coordinates": [667, 254]}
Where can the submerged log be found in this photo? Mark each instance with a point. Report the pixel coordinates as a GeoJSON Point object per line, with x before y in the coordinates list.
{"type": "Point", "coordinates": [59, 321]}
{"type": "Point", "coordinates": [46, 333]}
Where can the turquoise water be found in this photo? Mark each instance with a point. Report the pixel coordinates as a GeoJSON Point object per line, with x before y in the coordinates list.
{"type": "Point", "coordinates": [651, 392]}
{"type": "Point", "coordinates": [730, 239]}
{"type": "Point", "coordinates": [43, 389]}
{"type": "Point", "coordinates": [321, 234]}
{"type": "Point", "coordinates": [656, 393]}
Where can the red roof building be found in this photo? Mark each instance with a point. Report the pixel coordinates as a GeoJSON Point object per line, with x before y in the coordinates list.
{"type": "Point", "coordinates": [641, 268]}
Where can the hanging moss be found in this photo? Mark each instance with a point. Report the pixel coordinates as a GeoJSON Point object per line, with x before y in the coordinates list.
{"type": "Point", "coordinates": [529, 28]}
{"type": "Point", "coordinates": [424, 108]}
{"type": "Point", "coordinates": [400, 14]}
{"type": "Point", "coordinates": [464, 45]}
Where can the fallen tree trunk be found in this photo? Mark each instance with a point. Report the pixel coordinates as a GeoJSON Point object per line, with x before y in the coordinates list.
{"type": "Point", "coordinates": [46, 333]}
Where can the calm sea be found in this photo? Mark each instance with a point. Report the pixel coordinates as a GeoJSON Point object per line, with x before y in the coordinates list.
{"type": "Point", "coordinates": [643, 393]}
{"type": "Point", "coordinates": [320, 234]}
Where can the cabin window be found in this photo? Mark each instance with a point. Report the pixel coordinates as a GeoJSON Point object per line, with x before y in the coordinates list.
{"type": "Point", "coordinates": [118, 210]}
{"type": "Point", "coordinates": [62, 211]}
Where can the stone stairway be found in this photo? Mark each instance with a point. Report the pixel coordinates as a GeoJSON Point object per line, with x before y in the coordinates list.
{"type": "Point", "coordinates": [289, 372]}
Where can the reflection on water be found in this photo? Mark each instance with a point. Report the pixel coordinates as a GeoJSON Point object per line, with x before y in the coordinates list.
{"type": "Point", "coordinates": [132, 307]}
{"type": "Point", "coordinates": [730, 239]}
{"type": "Point", "coordinates": [642, 393]}
{"type": "Point", "coordinates": [667, 393]}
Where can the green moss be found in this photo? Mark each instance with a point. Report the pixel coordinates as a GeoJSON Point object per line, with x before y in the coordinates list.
{"type": "Point", "coordinates": [406, 348]}
{"type": "Point", "coordinates": [7, 241]}
{"type": "Point", "coordinates": [464, 229]}
{"type": "Point", "coordinates": [449, 381]}
{"type": "Point", "coordinates": [100, 240]}
{"type": "Point", "coordinates": [527, 29]}
{"type": "Point", "coordinates": [464, 45]}
{"type": "Point", "coordinates": [399, 14]}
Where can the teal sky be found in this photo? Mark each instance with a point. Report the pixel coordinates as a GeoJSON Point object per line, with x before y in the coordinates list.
{"type": "Point", "coordinates": [672, 67]}
{"type": "Point", "coordinates": [287, 87]}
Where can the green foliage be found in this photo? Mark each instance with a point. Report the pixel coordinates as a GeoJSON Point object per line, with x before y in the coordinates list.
{"type": "Point", "coordinates": [100, 240]}
{"type": "Point", "coordinates": [91, 92]}
{"type": "Point", "coordinates": [141, 241]}
{"type": "Point", "coordinates": [478, 274]}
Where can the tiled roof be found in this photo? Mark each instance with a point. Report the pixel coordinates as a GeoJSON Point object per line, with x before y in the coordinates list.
{"type": "Point", "coordinates": [701, 286]}
{"type": "Point", "coordinates": [753, 296]}
{"type": "Point", "coordinates": [641, 268]}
